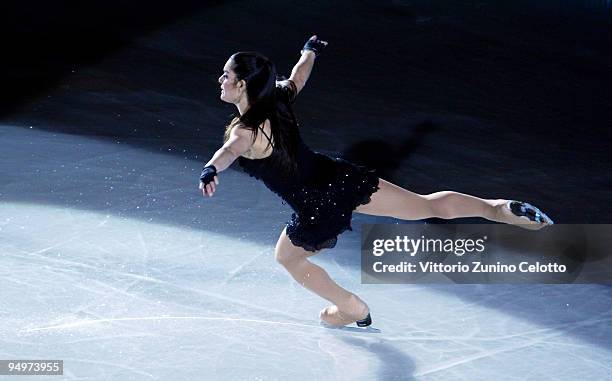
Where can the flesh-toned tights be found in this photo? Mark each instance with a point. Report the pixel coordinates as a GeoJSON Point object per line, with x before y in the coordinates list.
{"type": "Point", "coordinates": [392, 201]}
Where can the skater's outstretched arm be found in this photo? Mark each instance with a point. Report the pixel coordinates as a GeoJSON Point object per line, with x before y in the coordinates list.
{"type": "Point", "coordinates": [239, 142]}
{"type": "Point", "coordinates": [301, 71]}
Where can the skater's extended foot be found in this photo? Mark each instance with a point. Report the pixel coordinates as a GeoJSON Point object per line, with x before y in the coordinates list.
{"type": "Point", "coordinates": [355, 311]}
{"type": "Point", "coordinates": [523, 214]}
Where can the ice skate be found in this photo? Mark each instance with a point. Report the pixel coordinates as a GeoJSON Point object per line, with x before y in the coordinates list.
{"type": "Point", "coordinates": [525, 215]}
{"type": "Point", "coordinates": [360, 315]}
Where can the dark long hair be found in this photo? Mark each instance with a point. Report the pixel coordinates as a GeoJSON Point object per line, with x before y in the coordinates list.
{"type": "Point", "coordinates": [260, 76]}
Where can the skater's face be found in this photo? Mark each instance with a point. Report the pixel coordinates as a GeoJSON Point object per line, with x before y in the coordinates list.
{"type": "Point", "coordinates": [232, 90]}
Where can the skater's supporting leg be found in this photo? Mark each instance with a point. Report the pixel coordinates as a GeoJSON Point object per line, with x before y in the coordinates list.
{"type": "Point", "coordinates": [316, 279]}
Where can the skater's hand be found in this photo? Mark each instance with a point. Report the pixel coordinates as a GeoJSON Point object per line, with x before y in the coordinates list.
{"type": "Point", "coordinates": [208, 180]}
{"type": "Point", "coordinates": [315, 45]}
{"type": "Point", "coordinates": [210, 188]}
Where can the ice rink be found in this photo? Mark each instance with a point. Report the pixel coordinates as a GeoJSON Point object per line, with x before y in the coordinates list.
{"type": "Point", "coordinates": [140, 279]}
{"type": "Point", "coordinates": [112, 261]}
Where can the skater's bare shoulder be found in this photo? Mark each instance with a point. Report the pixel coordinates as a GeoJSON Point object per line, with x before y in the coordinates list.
{"type": "Point", "coordinates": [240, 140]}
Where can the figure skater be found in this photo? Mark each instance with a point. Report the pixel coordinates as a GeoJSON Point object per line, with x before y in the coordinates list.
{"type": "Point", "coordinates": [322, 191]}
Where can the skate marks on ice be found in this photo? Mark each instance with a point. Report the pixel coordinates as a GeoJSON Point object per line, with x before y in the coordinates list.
{"type": "Point", "coordinates": [159, 282]}
{"type": "Point", "coordinates": [107, 291]}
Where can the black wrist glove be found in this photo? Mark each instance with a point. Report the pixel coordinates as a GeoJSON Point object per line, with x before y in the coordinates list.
{"type": "Point", "coordinates": [208, 174]}
{"type": "Point", "coordinates": [315, 45]}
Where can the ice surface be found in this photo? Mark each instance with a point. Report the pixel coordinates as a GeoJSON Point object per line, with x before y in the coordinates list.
{"type": "Point", "coordinates": [112, 261]}
{"type": "Point", "coordinates": [122, 287]}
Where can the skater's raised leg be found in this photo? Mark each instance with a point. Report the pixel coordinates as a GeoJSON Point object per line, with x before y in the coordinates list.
{"type": "Point", "coordinates": [394, 201]}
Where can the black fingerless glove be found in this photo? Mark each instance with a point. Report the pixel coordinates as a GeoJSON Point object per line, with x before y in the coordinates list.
{"type": "Point", "coordinates": [208, 174]}
{"type": "Point", "coordinates": [315, 45]}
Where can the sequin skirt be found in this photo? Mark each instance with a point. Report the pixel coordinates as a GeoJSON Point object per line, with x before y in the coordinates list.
{"type": "Point", "coordinates": [324, 207]}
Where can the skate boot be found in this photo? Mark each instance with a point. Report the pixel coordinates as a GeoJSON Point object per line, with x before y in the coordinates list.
{"type": "Point", "coordinates": [359, 314]}
{"type": "Point", "coordinates": [529, 217]}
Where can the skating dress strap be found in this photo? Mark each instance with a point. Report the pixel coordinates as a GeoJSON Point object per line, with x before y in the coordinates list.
{"type": "Point", "coordinates": [267, 137]}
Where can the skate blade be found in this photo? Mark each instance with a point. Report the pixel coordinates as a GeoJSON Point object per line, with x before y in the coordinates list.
{"type": "Point", "coordinates": [346, 328]}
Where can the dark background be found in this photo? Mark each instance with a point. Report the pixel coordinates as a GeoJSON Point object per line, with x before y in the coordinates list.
{"type": "Point", "coordinates": [501, 99]}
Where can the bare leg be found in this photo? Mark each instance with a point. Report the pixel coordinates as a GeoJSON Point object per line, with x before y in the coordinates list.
{"type": "Point", "coordinates": [394, 201]}
{"type": "Point", "coordinates": [316, 279]}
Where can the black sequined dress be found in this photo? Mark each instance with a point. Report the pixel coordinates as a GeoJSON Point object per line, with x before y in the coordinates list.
{"type": "Point", "coordinates": [323, 194]}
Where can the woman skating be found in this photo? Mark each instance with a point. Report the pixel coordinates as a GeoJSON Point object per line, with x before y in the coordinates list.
{"type": "Point", "coordinates": [322, 191]}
